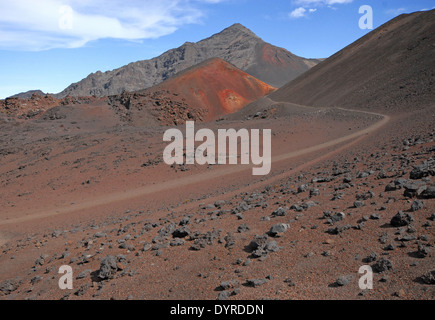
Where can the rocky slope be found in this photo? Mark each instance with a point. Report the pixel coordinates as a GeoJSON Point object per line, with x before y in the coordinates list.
{"type": "Point", "coordinates": [236, 45]}
{"type": "Point", "coordinates": [37, 106]}
{"type": "Point", "coordinates": [28, 94]}
{"type": "Point", "coordinates": [389, 69]}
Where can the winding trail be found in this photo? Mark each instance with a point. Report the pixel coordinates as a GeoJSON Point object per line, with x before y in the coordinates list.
{"type": "Point", "coordinates": [218, 172]}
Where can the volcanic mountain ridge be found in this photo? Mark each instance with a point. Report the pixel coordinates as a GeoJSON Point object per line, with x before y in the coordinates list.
{"type": "Point", "coordinates": [236, 45]}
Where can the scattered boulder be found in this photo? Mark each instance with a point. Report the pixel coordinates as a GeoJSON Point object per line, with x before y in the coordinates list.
{"type": "Point", "coordinates": [382, 265]}
{"type": "Point", "coordinates": [108, 268]}
{"type": "Point", "coordinates": [371, 258]}
{"type": "Point", "coordinates": [255, 282]}
{"type": "Point", "coordinates": [280, 212]}
{"type": "Point", "coordinates": [271, 246]}
{"type": "Point", "coordinates": [417, 205]}
{"type": "Point", "coordinates": [414, 188]}
{"type": "Point", "coordinates": [184, 221]}
{"type": "Point", "coordinates": [181, 232]}
{"type": "Point", "coordinates": [401, 219]}
{"type": "Point", "coordinates": [358, 204]}
{"type": "Point", "coordinates": [242, 228]}
{"type": "Point", "coordinates": [278, 229]}
{"type": "Point", "coordinates": [177, 242]}
{"type": "Point", "coordinates": [230, 241]}
{"type": "Point", "coordinates": [261, 246]}
{"type": "Point", "coordinates": [10, 285]}
{"type": "Point", "coordinates": [224, 295]}
{"type": "Point", "coordinates": [423, 251]}
{"type": "Point", "coordinates": [429, 193]}
{"type": "Point", "coordinates": [428, 277]}
{"type": "Point", "coordinates": [339, 229]}
{"type": "Point", "coordinates": [314, 192]}
{"type": "Point", "coordinates": [303, 188]}
{"type": "Point", "coordinates": [423, 170]}
{"type": "Point", "coordinates": [344, 280]}
{"type": "Point", "coordinates": [100, 235]}
{"type": "Point", "coordinates": [225, 285]}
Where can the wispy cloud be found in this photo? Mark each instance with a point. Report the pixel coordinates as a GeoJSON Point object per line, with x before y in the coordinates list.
{"type": "Point", "coordinates": [306, 7]}
{"type": "Point", "coordinates": [46, 24]}
{"type": "Point", "coordinates": [396, 12]}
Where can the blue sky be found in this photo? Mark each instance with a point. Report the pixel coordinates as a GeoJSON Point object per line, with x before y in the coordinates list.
{"type": "Point", "coordinates": [49, 44]}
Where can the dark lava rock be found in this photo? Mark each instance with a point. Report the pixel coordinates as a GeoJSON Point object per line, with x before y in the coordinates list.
{"type": "Point", "coordinates": [314, 192]}
{"type": "Point", "coordinates": [371, 258]}
{"type": "Point", "coordinates": [230, 241]}
{"type": "Point", "coordinates": [242, 228]}
{"type": "Point", "coordinates": [344, 280]}
{"type": "Point", "coordinates": [258, 242]}
{"type": "Point", "coordinates": [271, 246]}
{"type": "Point", "coordinates": [429, 193]}
{"type": "Point", "coordinates": [224, 295]}
{"type": "Point", "coordinates": [255, 282]}
{"type": "Point", "coordinates": [181, 232]}
{"type": "Point", "coordinates": [423, 170]}
{"type": "Point", "coordinates": [414, 189]}
{"type": "Point", "coordinates": [428, 277]}
{"type": "Point", "coordinates": [417, 205]}
{"type": "Point", "coordinates": [401, 219]}
{"type": "Point", "coordinates": [358, 204]}
{"type": "Point", "coordinates": [225, 285]}
{"type": "Point", "coordinates": [382, 265]}
{"type": "Point", "coordinates": [184, 221]}
{"type": "Point", "coordinates": [303, 188]}
{"type": "Point", "coordinates": [280, 212]}
{"type": "Point", "coordinates": [108, 268]}
{"type": "Point", "coordinates": [278, 229]}
{"type": "Point", "coordinates": [177, 242]}
{"type": "Point", "coordinates": [423, 251]}
{"type": "Point", "coordinates": [338, 230]}
{"type": "Point", "coordinates": [261, 246]}
{"type": "Point", "coordinates": [10, 285]}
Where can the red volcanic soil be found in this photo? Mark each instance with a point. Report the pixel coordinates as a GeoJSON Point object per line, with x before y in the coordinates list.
{"type": "Point", "coordinates": [84, 197]}
{"type": "Point", "coordinates": [217, 86]}
{"type": "Point", "coordinates": [27, 108]}
{"type": "Point", "coordinates": [348, 188]}
{"type": "Point", "coordinates": [204, 92]}
{"type": "Point", "coordinates": [36, 106]}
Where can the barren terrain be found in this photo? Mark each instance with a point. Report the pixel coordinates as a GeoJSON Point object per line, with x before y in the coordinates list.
{"type": "Point", "coordinates": [83, 183]}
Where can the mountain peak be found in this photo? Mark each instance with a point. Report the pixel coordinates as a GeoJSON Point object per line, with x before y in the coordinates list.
{"type": "Point", "coordinates": [236, 44]}
{"type": "Point", "coordinates": [237, 27]}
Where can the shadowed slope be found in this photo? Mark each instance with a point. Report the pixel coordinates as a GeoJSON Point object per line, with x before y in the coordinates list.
{"type": "Point", "coordinates": [390, 69]}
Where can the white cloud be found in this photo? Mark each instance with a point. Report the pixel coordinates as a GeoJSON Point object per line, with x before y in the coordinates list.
{"type": "Point", "coordinates": [45, 24]}
{"type": "Point", "coordinates": [301, 12]}
{"type": "Point", "coordinates": [305, 7]}
{"type": "Point", "coordinates": [396, 12]}
{"type": "Point", "coordinates": [298, 12]}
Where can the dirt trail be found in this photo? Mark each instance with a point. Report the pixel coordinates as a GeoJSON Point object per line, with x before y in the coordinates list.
{"type": "Point", "coordinates": [224, 171]}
